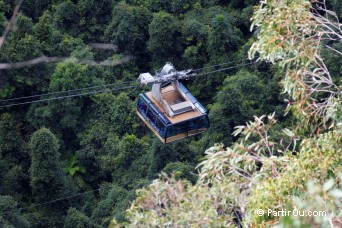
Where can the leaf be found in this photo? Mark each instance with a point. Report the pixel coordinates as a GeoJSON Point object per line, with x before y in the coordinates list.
{"type": "Point", "coordinates": [288, 133]}
{"type": "Point", "coordinates": [271, 116]}
{"type": "Point", "coordinates": [247, 136]}
{"type": "Point", "coordinates": [66, 170]}
{"type": "Point", "coordinates": [82, 169]}
{"type": "Point", "coordinates": [337, 193]}
{"type": "Point", "coordinates": [238, 130]}
{"type": "Point", "coordinates": [328, 184]}
{"type": "Point", "coordinates": [73, 171]}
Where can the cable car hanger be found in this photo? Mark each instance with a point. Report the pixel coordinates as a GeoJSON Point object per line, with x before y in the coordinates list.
{"type": "Point", "coordinates": [166, 75]}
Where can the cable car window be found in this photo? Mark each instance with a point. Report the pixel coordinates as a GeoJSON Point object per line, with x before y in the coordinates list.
{"type": "Point", "coordinates": [192, 124]}
{"type": "Point", "coordinates": [203, 122]}
{"type": "Point", "coordinates": [161, 127]}
{"type": "Point", "coordinates": [200, 108]}
{"type": "Point", "coordinates": [192, 98]}
{"type": "Point", "coordinates": [142, 106]}
{"type": "Point", "coordinates": [163, 119]}
{"type": "Point", "coordinates": [180, 128]}
{"type": "Point", "coordinates": [151, 116]}
{"type": "Point", "coordinates": [170, 131]}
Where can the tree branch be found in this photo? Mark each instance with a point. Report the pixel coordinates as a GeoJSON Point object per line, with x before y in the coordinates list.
{"type": "Point", "coordinates": [46, 59]}
{"type": "Point", "coordinates": [10, 23]}
{"type": "Point", "coordinates": [104, 46]}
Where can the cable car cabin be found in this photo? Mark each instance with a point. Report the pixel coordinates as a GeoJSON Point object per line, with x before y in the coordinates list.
{"type": "Point", "coordinates": [177, 115]}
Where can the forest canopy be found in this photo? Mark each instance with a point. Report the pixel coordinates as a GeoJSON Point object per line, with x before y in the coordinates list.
{"type": "Point", "coordinates": [73, 152]}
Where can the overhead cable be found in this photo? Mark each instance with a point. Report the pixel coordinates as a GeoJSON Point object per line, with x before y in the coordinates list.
{"type": "Point", "coordinates": [226, 68]}
{"type": "Point", "coordinates": [220, 64]}
{"type": "Point", "coordinates": [108, 90]}
{"type": "Point", "coordinates": [106, 85]}
{"type": "Point", "coordinates": [55, 200]}
{"type": "Point", "coordinates": [65, 91]}
{"type": "Point", "coordinates": [69, 96]}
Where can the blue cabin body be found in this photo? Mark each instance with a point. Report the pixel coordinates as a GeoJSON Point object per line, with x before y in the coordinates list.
{"type": "Point", "coordinates": [169, 129]}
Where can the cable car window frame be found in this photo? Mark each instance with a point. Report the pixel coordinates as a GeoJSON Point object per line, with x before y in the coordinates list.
{"type": "Point", "coordinates": [142, 105]}
{"type": "Point", "coordinates": [162, 128]}
{"type": "Point", "coordinates": [150, 118]}
{"type": "Point", "coordinates": [159, 127]}
{"type": "Point", "coordinates": [201, 122]}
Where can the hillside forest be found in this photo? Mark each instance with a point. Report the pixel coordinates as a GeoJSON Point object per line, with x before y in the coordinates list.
{"type": "Point", "coordinates": [74, 153]}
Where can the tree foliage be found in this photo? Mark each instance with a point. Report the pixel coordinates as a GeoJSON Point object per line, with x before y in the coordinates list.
{"type": "Point", "coordinates": [125, 32]}
{"type": "Point", "coordinates": [77, 219]}
{"type": "Point", "coordinates": [100, 152]}
{"type": "Point", "coordinates": [8, 217]}
{"type": "Point", "coordinates": [47, 179]}
{"type": "Point", "coordinates": [257, 172]}
{"type": "Point", "coordinates": [164, 39]}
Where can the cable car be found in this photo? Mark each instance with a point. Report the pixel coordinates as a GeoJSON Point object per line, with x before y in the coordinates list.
{"type": "Point", "coordinates": [170, 110]}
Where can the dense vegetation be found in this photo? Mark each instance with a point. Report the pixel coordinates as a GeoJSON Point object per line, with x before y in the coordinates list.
{"type": "Point", "coordinates": [93, 153]}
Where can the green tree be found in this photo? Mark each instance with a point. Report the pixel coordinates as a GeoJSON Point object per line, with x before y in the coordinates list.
{"type": "Point", "coordinates": [112, 205]}
{"type": "Point", "coordinates": [48, 180]}
{"type": "Point", "coordinates": [179, 7]}
{"type": "Point", "coordinates": [70, 76]}
{"type": "Point", "coordinates": [43, 30]}
{"type": "Point", "coordinates": [77, 219]}
{"type": "Point", "coordinates": [129, 28]}
{"type": "Point", "coordinates": [161, 156]}
{"type": "Point", "coordinates": [35, 8]}
{"type": "Point", "coordinates": [63, 44]}
{"type": "Point", "coordinates": [165, 42]}
{"type": "Point", "coordinates": [223, 37]}
{"type": "Point", "coordinates": [20, 46]}
{"type": "Point", "coordinates": [195, 32]}
{"type": "Point", "coordinates": [242, 96]}
{"type": "Point", "coordinates": [9, 217]}
{"type": "Point", "coordinates": [128, 161]}
{"type": "Point", "coordinates": [94, 16]}
{"type": "Point", "coordinates": [334, 62]}
{"type": "Point", "coordinates": [181, 170]}
{"type": "Point", "coordinates": [13, 150]}
{"type": "Point", "coordinates": [170, 155]}
{"type": "Point", "coordinates": [156, 5]}
{"type": "Point", "coordinates": [67, 112]}
{"type": "Point", "coordinates": [66, 17]}
{"type": "Point", "coordinates": [117, 109]}
{"type": "Point", "coordinates": [112, 118]}
{"type": "Point", "coordinates": [6, 7]}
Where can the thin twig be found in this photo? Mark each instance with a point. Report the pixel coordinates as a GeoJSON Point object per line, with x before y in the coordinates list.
{"type": "Point", "coordinates": [338, 52]}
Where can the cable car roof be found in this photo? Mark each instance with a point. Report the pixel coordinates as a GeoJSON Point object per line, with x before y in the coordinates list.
{"type": "Point", "coordinates": [171, 95]}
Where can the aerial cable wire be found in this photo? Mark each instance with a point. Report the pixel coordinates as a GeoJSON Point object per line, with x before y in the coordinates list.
{"type": "Point", "coordinates": [226, 68]}
{"type": "Point", "coordinates": [220, 64]}
{"type": "Point", "coordinates": [55, 200]}
{"type": "Point", "coordinates": [109, 90]}
{"type": "Point", "coordinates": [65, 91]}
{"type": "Point", "coordinates": [69, 96]}
{"type": "Point", "coordinates": [106, 85]}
